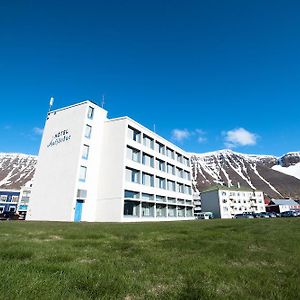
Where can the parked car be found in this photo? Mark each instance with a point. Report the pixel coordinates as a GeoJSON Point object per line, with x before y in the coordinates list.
{"type": "Point", "coordinates": [289, 214]}
{"type": "Point", "coordinates": [9, 216]}
{"type": "Point", "coordinates": [297, 212]}
{"type": "Point", "coordinates": [271, 214]}
{"type": "Point", "coordinates": [244, 216]}
{"type": "Point", "coordinates": [206, 215]}
{"type": "Point", "coordinates": [262, 215]}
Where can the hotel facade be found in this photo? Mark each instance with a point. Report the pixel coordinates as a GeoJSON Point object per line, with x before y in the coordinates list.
{"type": "Point", "coordinates": [91, 168]}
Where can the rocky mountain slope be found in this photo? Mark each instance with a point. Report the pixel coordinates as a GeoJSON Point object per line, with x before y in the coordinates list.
{"type": "Point", "coordinates": [16, 169]}
{"type": "Point", "coordinates": [276, 176]}
{"type": "Point", "coordinates": [264, 172]}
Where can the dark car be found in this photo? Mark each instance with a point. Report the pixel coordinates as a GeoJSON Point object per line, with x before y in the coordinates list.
{"type": "Point", "coordinates": [9, 216]}
{"type": "Point", "coordinates": [262, 215]}
{"type": "Point", "coordinates": [271, 214]}
{"type": "Point", "coordinates": [289, 214]}
{"type": "Point", "coordinates": [243, 216]}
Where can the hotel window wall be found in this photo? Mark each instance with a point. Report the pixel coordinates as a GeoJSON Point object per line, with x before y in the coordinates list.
{"type": "Point", "coordinates": [85, 152]}
{"type": "Point", "coordinates": [160, 165]}
{"type": "Point", "coordinates": [132, 175]}
{"type": "Point", "coordinates": [148, 179]}
{"type": "Point", "coordinates": [148, 142]}
{"type": "Point", "coordinates": [134, 134]}
{"type": "Point", "coordinates": [148, 160]}
{"type": "Point", "coordinates": [133, 154]}
{"type": "Point", "coordinates": [131, 208]}
{"type": "Point", "coordinates": [88, 131]}
{"type": "Point", "coordinates": [82, 173]}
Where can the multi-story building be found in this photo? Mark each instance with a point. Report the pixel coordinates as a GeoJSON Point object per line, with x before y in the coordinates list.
{"type": "Point", "coordinates": [225, 202]}
{"type": "Point", "coordinates": [91, 168]}
{"type": "Point", "coordinates": [24, 198]}
{"type": "Point", "coordinates": [9, 200]}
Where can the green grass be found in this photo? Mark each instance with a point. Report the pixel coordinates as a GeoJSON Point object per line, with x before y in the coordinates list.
{"type": "Point", "coordinates": [214, 259]}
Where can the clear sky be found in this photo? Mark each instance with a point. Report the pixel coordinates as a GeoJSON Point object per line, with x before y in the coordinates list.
{"type": "Point", "coordinates": [209, 74]}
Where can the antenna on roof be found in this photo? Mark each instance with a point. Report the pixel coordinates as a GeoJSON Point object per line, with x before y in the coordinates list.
{"type": "Point", "coordinates": [103, 102]}
{"type": "Point", "coordinates": [51, 103]}
{"type": "Point", "coordinates": [154, 128]}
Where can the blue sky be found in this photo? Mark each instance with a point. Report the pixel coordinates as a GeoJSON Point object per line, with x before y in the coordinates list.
{"type": "Point", "coordinates": [209, 74]}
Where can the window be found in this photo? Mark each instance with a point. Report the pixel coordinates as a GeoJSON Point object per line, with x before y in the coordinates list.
{"type": "Point", "coordinates": [179, 172]}
{"type": "Point", "coordinates": [161, 210]}
{"type": "Point", "coordinates": [171, 211]}
{"type": "Point", "coordinates": [171, 169]}
{"type": "Point", "coordinates": [186, 161]}
{"type": "Point", "coordinates": [148, 179]}
{"type": "Point", "coordinates": [85, 152]}
{"type": "Point", "coordinates": [147, 210]}
{"type": "Point", "coordinates": [179, 157]}
{"type": "Point", "coordinates": [134, 134]}
{"type": "Point", "coordinates": [188, 189]}
{"type": "Point", "coordinates": [160, 148]}
{"type": "Point", "coordinates": [132, 175]}
{"type": "Point", "coordinates": [148, 142]}
{"type": "Point", "coordinates": [187, 175]}
{"type": "Point", "coordinates": [90, 112]}
{"type": "Point", "coordinates": [160, 165]}
{"type": "Point", "coordinates": [160, 182]}
{"type": "Point", "coordinates": [180, 211]}
{"type": "Point", "coordinates": [15, 198]}
{"type": "Point", "coordinates": [147, 196]}
{"type": "Point", "coordinates": [3, 197]}
{"type": "Point", "coordinates": [81, 194]}
{"type": "Point", "coordinates": [160, 198]}
{"type": "Point", "coordinates": [131, 208]}
{"type": "Point", "coordinates": [171, 185]}
{"type": "Point", "coordinates": [171, 200]}
{"type": "Point", "coordinates": [148, 160]}
{"type": "Point", "coordinates": [82, 173]}
{"type": "Point", "coordinates": [189, 212]}
{"type": "Point", "coordinates": [180, 201]}
{"type": "Point", "coordinates": [12, 209]}
{"type": "Point", "coordinates": [180, 188]}
{"type": "Point", "coordinates": [88, 131]}
{"type": "Point", "coordinates": [133, 154]}
{"type": "Point", "coordinates": [131, 194]}
{"type": "Point", "coordinates": [170, 153]}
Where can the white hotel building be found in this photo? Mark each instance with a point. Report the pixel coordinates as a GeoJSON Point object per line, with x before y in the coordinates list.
{"type": "Point", "coordinates": [91, 168]}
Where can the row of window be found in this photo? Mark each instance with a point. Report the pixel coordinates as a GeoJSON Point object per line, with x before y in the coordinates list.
{"type": "Point", "coordinates": [149, 142]}
{"type": "Point", "coordinates": [86, 148]}
{"type": "Point", "coordinates": [137, 209]}
{"type": "Point", "coordinates": [240, 194]}
{"type": "Point", "coordinates": [5, 198]}
{"type": "Point", "coordinates": [243, 201]}
{"type": "Point", "coordinates": [134, 176]}
{"type": "Point", "coordinates": [148, 160]}
{"type": "Point", "coordinates": [151, 197]}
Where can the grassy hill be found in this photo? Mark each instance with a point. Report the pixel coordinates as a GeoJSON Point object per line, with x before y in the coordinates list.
{"type": "Point", "coordinates": [213, 259]}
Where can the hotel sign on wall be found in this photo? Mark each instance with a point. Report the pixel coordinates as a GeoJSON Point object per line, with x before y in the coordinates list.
{"type": "Point", "coordinates": [59, 137]}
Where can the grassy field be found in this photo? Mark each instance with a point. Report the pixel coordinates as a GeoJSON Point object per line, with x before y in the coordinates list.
{"type": "Point", "coordinates": [214, 259]}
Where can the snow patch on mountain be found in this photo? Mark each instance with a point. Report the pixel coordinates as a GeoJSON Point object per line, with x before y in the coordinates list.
{"type": "Point", "coordinates": [291, 170]}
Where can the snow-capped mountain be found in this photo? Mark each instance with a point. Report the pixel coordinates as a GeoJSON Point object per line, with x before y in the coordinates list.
{"type": "Point", "coordinates": [16, 169]}
{"type": "Point", "coordinates": [289, 164]}
{"type": "Point", "coordinates": [276, 176]}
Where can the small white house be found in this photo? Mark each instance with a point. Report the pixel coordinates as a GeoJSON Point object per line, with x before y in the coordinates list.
{"type": "Point", "coordinates": [225, 202]}
{"type": "Point", "coordinates": [281, 205]}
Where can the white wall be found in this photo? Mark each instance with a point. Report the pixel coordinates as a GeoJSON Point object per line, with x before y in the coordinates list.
{"type": "Point", "coordinates": [55, 182]}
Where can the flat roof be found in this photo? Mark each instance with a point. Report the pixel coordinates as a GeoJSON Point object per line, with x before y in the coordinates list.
{"type": "Point", "coordinates": [232, 188]}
